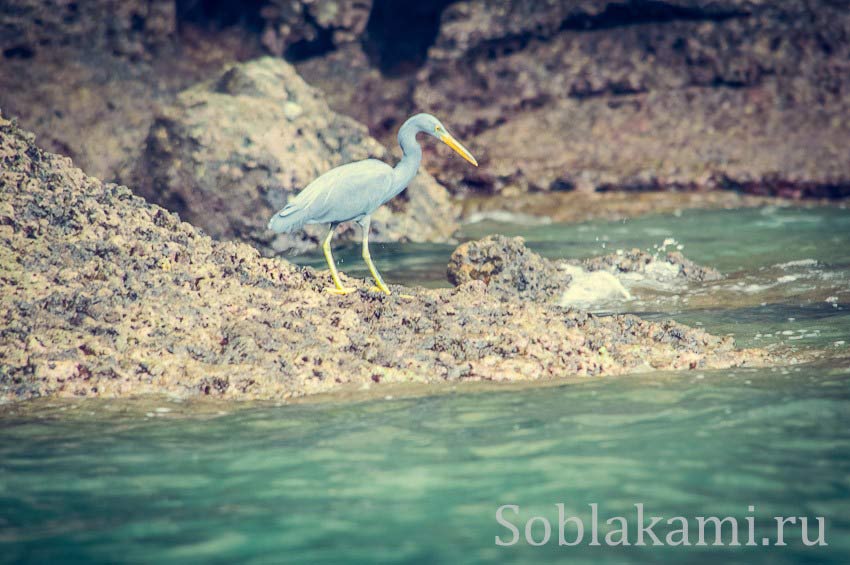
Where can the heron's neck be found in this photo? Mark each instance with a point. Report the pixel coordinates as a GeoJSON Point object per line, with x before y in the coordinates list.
{"type": "Point", "coordinates": [407, 168]}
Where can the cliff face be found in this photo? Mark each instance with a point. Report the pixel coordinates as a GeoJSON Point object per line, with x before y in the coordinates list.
{"type": "Point", "coordinates": [103, 294]}
{"type": "Point", "coordinates": [633, 95]}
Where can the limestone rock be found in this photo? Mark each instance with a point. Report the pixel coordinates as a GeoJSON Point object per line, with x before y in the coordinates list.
{"type": "Point", "coordinates": [133, 28]}
{"type": "Point", "coordinates": [507, 266]}
{"type": "Point", "coordinates": [231, 151]}
{"type": "Point", "coordinates": [670, 265]}
{"type": "Point", "coordinates": [290, 25]}
{"type": "Point", "coordinates": [601, 96]}
{"type": "Point", "coordinates": [679, 94]}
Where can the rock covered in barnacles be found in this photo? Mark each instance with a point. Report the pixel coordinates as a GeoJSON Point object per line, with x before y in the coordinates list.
{"type": "Point", "coordinates": [507, 266]}
{"type": "Point", "coordinates": [671, 265]}
{"type": "Point", "coordinates": [103, 294]}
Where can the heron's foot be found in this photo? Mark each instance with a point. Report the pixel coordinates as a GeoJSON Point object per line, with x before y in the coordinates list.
{"type": "Point", "coordinates": [340, 291]}
{"type": "Point", "coordinates": [387, 292]}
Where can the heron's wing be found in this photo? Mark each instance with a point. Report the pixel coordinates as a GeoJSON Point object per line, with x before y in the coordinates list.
{"type": "Point", "coordinates": [345, 193]}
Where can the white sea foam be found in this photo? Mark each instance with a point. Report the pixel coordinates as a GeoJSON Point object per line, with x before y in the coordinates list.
{"type": "Point", "coordinates": [502, 216]}
{"type": "Point", "coordinates": [589, 288]}
{"type": "Point", "coordinates": [798, 263]}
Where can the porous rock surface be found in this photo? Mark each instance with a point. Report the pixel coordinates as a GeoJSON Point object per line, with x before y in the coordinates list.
{"type": "Point", "coordinates": [553, 98]}
{"type": "Point", "coordinates": [231, 151]}
{"type": "Point", "coordinates": [629, 95]}
{"type": "Point", "coordinates": [96, 104]}
{"type": "Point", "coordinates": [289, 23]}
{"type": "Point", "coordinates": [681, 94]}
{"type": "Point", "coordinates": [103, 294]}
{"type": "Point", "coordinates": [509, 268]}
{"type": "Point", "coordinates": [671, 264]}
{"type": "Point", "coordinates": [132, 28]}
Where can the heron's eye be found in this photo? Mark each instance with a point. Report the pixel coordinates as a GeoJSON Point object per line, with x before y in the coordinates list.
{"type": "Point", "coordinates": [438, 129]}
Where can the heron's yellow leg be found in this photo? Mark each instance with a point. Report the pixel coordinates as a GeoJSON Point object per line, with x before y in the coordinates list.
{"type": "Point", "coordinates": [326, 247]}
{"type": "Point", "coordinates": [379, 282]}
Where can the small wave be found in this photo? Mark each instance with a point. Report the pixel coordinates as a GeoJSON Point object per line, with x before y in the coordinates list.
{"type": "Point", "coordinates": [798, 263]}
{"type": "Point", "coordinates": [504, 217]}
{"type": "Point", "coordinates": [590, 288]}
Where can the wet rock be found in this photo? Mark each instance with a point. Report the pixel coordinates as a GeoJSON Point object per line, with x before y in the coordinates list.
{"type": "Point", "coordinates": [232, 150]}
{"type": "Point", "coordinates": [671, 265]}
{"type": "Point", "coordinates": [103, 294]}
{"type": "Point", "coordinates": [507, 267]}
{"type": "Point", "coordinates": [510, 269]}
{"type": "Point", "coordinates": [581, 206]}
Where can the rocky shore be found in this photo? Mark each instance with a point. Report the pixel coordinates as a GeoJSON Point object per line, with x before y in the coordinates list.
{"type": "Point", "coordinates": [555, 98]}
{"type": "Point", "coordinates": [509, 268]}
{"type": "Point", "coordinates": [106, 295]}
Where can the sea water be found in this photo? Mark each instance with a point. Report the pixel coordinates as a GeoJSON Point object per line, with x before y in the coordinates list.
{"type": "Point", "coordinates": [421, 479]}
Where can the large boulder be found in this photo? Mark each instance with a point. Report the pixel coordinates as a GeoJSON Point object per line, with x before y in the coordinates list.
{"type": "Point", "coordinates": [355, 86]}
{"type": "Point", "coordinates": [231, 151]}
{"type": "Point", "coordinates": [103, 294]}
{"type": "Point", "coordinates": [87, 77]}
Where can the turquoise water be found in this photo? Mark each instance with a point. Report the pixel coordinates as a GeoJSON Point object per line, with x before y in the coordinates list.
{"type": "Point", "coordinates": [420, 479]}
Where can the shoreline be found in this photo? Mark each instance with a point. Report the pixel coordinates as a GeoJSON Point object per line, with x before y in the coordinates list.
{"type": "Point", "coordinates": [146, 405]}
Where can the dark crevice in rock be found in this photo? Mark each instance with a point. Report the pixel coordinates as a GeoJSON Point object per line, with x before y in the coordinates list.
{"type": "Point", "coordinates": [615, 15]}
{"type": "Point", "coordinates": [638, 12]}
{"type": "Point", "coordinates": [304, 49]}
{"type": "Point", "coordinates": [612, 92]}
{"type": "Point", "coordinates": [399, 34]}
{"type": "Point", "coordinates": [219, 14]}
{"type": "Point", "coordinates": [18, 52]}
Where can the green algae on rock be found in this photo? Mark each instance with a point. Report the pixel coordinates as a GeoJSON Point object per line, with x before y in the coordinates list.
{"type": "Point", "coordinates": [106, 295]}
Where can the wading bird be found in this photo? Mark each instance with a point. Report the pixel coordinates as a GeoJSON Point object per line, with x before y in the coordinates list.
{"type": "Point", "coordinates": [354, 191]}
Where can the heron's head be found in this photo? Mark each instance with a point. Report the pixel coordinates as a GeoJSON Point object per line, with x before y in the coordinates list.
{"type": "Point", "coordinates": [427, 123]}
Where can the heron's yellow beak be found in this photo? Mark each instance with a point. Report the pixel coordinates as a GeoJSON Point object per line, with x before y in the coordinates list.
{"type": "Point", "coordinates": [460, 149]}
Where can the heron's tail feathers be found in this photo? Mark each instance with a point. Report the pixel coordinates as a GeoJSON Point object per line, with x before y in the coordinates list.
{"type": "Point", "coordinates": [289, 219]}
